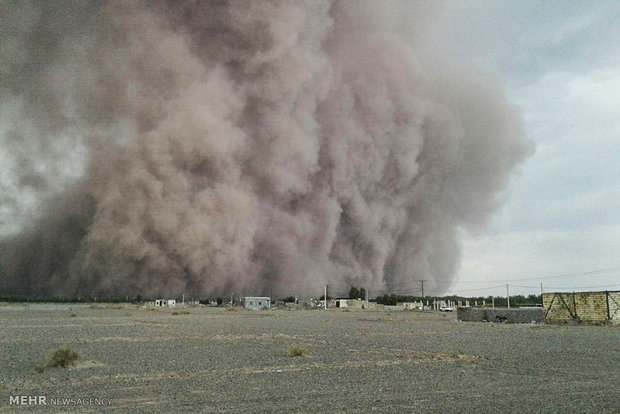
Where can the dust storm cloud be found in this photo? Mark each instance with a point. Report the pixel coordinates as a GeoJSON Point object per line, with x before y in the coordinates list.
{"type": "Point", "coordinates": [202, 147]}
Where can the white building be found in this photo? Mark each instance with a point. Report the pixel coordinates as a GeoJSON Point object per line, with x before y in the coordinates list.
{"type": "Point", "coordinates": [171, 303]}
{"type": "Point", "coordinates": [257, 302]}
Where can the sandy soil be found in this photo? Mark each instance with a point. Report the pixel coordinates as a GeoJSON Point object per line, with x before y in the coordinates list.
{"type": "Point", "coordinates": [214, 360]}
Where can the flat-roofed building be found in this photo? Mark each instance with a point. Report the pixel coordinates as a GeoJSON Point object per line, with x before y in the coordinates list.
{"type": "Point", "coordinates": [257, 302]}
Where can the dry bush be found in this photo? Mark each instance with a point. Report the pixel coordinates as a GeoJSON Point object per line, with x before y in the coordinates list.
{"type": "Point", "coordinates": [63, 358]}
{"type": "Point", "coordinates": [180, 313]}
{"type": "Point", "coordinates": [298, 351]}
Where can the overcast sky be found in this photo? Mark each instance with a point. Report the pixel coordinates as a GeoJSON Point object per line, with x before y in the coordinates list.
{"type": "Point", "coordinates": [560, 62]}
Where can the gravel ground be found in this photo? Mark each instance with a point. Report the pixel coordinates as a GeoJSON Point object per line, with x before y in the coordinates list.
{"type": "Point", "coordinates": [214, 360]}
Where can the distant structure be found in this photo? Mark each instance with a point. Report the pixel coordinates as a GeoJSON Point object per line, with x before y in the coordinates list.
{"type": "Point", "coordinates": [350, 303]}
{"type": "Point", "coordinates": [587, 307]}
{"type": "Point", "coordinates": [171, 303]}
{"type": "Point", "coordinates": [416, 305]}
{"type": "Point", "coordinates": [502, 315]}
{"type": "Point", "coordinates": [257, 302]}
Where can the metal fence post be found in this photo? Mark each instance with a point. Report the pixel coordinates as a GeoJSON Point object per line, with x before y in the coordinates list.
{"type": "Point", "coordinates": [575, 306]}
{"type": "Point", "coordinates": [607, 301]}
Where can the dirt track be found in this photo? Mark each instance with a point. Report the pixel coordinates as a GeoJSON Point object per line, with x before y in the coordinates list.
{"type": "Point", "coordinates": [214, 360]}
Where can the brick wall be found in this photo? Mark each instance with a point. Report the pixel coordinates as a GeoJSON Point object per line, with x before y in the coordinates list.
{"type": "Point", "coordinates": [589, 307]}
{"type": "Point", "coordinates": [614, 306]}
{"type": "Point", "coordinates": [559, 307]}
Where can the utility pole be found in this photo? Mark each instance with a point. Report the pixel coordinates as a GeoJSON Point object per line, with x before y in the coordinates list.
{"type": "Point", "coordinates": [183, 301]}
{"type": "Point", "coordinates": [508, 295]}
{"type": "Point", "coordinates": [422, 281]}
{"type": "Point", "coordinates": [541, 290]}
{"type": "Point", "coordinates": [493, 301]}
{"type": "Point", "coordinates": [231, 299]}
{"type": "Point", "coordinates": [325, 297]}
{"type": "Point", "coordinates": [366, 298]}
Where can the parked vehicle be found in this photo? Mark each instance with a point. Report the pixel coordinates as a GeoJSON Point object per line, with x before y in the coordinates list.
{"type": "Point", "coordinates": [446, 309]}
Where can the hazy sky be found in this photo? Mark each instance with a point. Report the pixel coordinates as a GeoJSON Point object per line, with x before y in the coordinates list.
{"type": "Point", "coordinates": [560, 61]}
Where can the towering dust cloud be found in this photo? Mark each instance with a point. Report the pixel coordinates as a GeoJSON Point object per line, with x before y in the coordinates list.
{"type": "Point", "coordinates": [154, 147]}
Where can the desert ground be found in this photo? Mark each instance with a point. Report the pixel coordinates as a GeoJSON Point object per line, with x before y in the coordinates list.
{"type": "Point", "coordinates": [215, 360]}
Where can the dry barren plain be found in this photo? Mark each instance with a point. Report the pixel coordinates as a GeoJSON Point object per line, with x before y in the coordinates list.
{"type": "Point", "coordinates": [214, 360]}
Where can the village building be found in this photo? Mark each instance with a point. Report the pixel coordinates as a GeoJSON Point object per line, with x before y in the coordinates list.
{"type": "Point", "coordinates": [171, 303]}
{"type": "Point", "coordinates": [257, 302]}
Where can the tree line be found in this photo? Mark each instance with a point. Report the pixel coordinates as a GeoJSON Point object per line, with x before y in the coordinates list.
{"type": "Point", "coordinates": [516, 300]}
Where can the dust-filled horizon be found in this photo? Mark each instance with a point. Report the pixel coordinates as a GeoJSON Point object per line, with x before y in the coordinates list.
{"type": "Point", "coordinates": [153, 147]}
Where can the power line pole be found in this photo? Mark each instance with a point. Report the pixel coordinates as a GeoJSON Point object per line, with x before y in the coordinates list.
{"type": "Point", "coordinates": [541, 290]}
{"type": "Point", "coordinates": [422, 281]}
{"type": "Point", "coordinates": [508, 295]}
{"type": "Point", "coordinates": [231, 299]}
{"type": "Point", "coordinates": [325, 297]}
{"type": "Point", "coordinates": [366, 298]}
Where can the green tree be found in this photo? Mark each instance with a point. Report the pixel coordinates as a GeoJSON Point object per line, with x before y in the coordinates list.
{"type": "Point", "coordinates": [357, 293]}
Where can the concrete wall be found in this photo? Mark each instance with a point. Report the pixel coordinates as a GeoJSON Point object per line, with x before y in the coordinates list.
{"type": "Point", "coordinates": [588, 307]}
{"type": "Point", "coordinates": [358, 304]}
{"type": "Point", "coordinates": [516, 315]}
{"type": "Point", "coordinates": [394, 308]}
{"type": "Point", "coordinates": [411, 305]}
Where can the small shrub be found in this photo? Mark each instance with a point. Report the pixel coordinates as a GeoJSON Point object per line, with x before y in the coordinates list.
{"type": "Point", "coordinates": [63, 358]}
{"type": "Point", "coordinates": [73, 315]}
{"type": "Point", "coordinates": [180, 313]}
{"type": "Point", "coordinates": [231, 309]}
{"type": "Point", "coordinates": [128, 314]}
{"type": "Point", "coordinates": [39, 369]}
{"type": "Point", "coordinates": [298, 351]}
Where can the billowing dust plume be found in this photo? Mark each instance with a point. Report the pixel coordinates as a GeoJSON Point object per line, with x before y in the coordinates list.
{"type": "Point", "coordinates": [153, 147]}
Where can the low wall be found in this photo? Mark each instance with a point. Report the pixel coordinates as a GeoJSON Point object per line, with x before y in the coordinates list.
{"type": "Point", "coordinates": [394, 308]}
{"type": "Point", "coordinates": [587, 307]}
{"type": "Point", "coordinates": [516, 315]}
